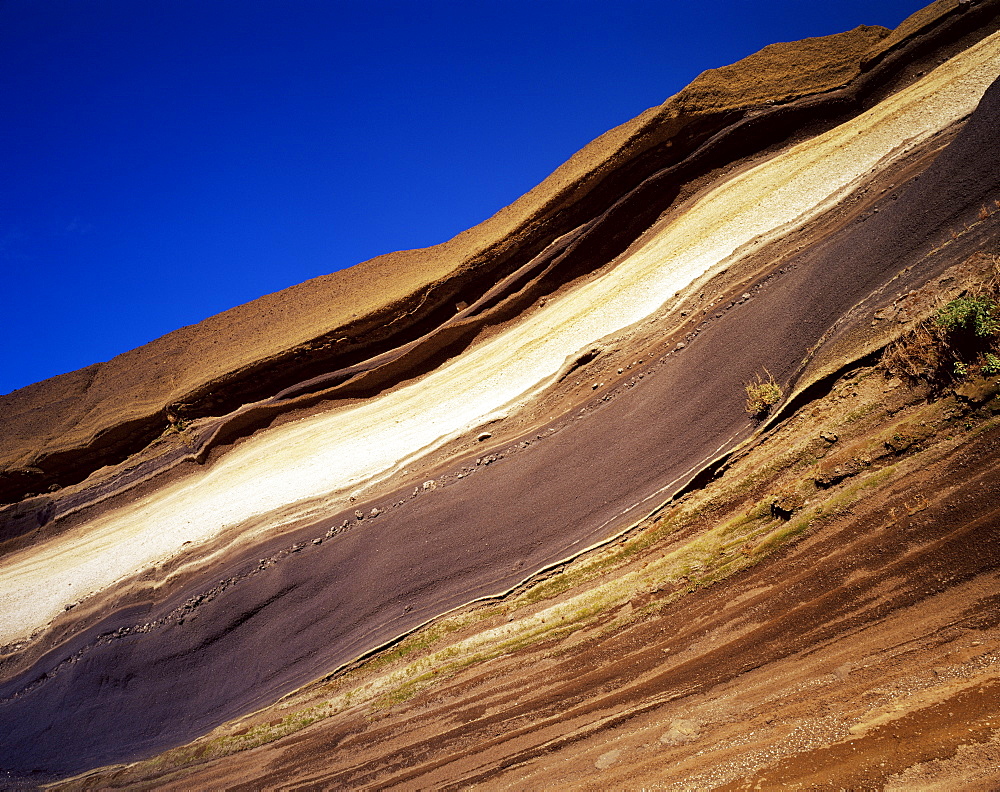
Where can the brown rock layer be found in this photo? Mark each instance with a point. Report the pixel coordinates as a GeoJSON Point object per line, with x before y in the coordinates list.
{"type": "Point", "coordinates": [202, 637]}
{"type": "Point", "coordinates": [106, 693]}
{"type": "Point", "coordinates": [59, 431]}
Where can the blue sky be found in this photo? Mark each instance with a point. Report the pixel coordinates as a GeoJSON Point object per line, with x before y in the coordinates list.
{"type": "Point", "coordinates": [165, 160]}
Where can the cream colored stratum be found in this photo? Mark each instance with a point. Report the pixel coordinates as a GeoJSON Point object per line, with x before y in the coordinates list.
{"type": "Point", "coordinates": [316, 463]}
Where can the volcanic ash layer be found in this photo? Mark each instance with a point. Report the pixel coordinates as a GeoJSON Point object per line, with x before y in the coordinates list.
{"type": "Point", "coordinates": [260, 513]}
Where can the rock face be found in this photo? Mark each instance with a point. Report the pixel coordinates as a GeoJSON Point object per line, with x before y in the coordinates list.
{"type": "Point", "coordinates": [206, 524]}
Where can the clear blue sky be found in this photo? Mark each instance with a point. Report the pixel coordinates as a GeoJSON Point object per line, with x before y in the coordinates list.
{"type": "Point", "coordinates": [164, 160]}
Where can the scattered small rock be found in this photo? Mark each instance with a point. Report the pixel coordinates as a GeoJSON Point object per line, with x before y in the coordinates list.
{"type": "Point", "coordinates": [359, 514]}
{"type": "Point", "coordinates": [830, 437]}
{"type": "Point", "coordinates": [430, 485]}
{"type": "Point", "coordinates": [484, 436]}
{"type": "Point", "coordinates": [374, 513]}
{"type": "Point", "coordinates": [318, 540]}
{"type": "Point", "coordinates": [978, 391]}
{"type": "Point", "coordinates": [680, 346]}
{"type": "Point", "coordinates": [607, 759]}
{"type": "Point", "coordinates": [679, 732]}
{"type": "Point", "coordinates": [785, 504]}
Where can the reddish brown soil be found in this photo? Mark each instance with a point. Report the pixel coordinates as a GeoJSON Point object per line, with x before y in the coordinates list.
{"type": "Point", "coordinates": [867, 650]}
{"type": "Point", "coordinates": [109, 693]}
{"type": "Point", "coordinates": [147, 673]}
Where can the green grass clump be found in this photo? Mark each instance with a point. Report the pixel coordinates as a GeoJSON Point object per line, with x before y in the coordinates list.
{"type": "Point", "coordinates": [957, 342]}
{"type": "Point", "coordinates": [970, 314]}
{"type": "Point", "coordinates": [991, 365]}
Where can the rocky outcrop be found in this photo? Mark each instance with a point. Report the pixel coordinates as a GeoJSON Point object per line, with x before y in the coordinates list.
{"type": "Point", "coordinates": [58, 432]}
{"type": "Point", "coordinates": [208, 523]}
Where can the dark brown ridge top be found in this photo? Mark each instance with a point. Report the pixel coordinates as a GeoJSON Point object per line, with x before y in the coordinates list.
{"type": "Point", "coordinates": [58, 431]}
{"type": "Point", "coordinates": [781, 72]}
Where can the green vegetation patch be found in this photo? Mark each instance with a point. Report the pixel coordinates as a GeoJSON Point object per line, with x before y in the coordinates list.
{"type": "Point", "coordinates": [958, 342]}
{"type": "Point", "coordinates": [979, 315]}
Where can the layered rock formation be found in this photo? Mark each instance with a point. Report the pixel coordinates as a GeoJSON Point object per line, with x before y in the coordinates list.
{"type": "Point", "coordinates": [215, 520]}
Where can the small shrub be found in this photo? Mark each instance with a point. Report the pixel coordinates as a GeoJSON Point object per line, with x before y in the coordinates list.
{"type": "Point", "coordinates": [991, 365]}
{"type": "Point", "coordinates": [762, 394]}
{"type": "Point", "coordinates": [976, 315]}
{"type": "Point", "coordinates": [959, 341]}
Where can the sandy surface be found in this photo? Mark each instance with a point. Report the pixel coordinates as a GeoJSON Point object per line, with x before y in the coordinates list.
{"type": "Point", "coordinates": [262, 621]}
{"type": "Point", "coordinates": [865, 655]}
{"type": "Point", "coordinates": [223, 589]}
{"type": "Point", "coordinates": [338, 452]}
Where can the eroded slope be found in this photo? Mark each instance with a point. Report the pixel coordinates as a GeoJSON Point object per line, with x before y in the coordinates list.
{"type": "Point", "coordinates": [350, 522]}
{"type": "Point", "coordinates": [60, 431]}
{"type": "Point", "coordinates": [823, 613]}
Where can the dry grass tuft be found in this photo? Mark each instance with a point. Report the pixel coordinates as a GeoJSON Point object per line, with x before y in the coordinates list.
{"type": "Point", "coordinates": [959, 340]}
{"type": "Point", "coordinates": [916, 355]}
{"type": "Point", "coordinates": [762, 394]}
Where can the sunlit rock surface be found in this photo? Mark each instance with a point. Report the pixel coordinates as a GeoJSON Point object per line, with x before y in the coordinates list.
{"type": "Point", "coordinates": [210, 522]}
